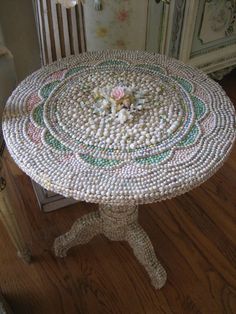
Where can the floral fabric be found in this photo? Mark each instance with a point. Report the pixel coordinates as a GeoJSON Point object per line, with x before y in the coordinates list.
{"type": "Point", "coordinates": [121, 24]}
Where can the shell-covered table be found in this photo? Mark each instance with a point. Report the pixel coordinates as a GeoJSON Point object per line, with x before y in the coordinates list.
{"type": "Point", "coordinates": [118, 128]}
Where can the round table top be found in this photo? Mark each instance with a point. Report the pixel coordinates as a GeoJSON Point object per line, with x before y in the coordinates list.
{"type": "Point", "coordinates": [119, 127]}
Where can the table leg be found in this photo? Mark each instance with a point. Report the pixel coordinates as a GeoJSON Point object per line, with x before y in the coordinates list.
{"type": "Point", "coordinates": [81, 232]}
{"type": "Point", "coordinates": [144, 251]}
{"type": "Point", "coordinates": [118, 223]}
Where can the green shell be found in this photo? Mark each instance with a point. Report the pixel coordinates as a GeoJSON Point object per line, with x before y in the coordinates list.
{"type": "Point", "coordinates": [75, 70]}
{"type": "Point", "coordinates": [184, 83]}
{"type": "Point", "coordinates": [112, 62]}
{"type": "Point", "coordinates": [151, 67]}
{"type": "Point", "coordinates": [47, 89]}
{"type": "Point", "coordinates": [38, 116]}
{"type": "Point", "coordinates": [190, 137]}
{"type": "Point", "coordinates": [155, 159]}
{"type": "Point", "coordinates": [199, 107]}
{"type": "Point", "coordinates": [99, 162]}
{"type": "Point", "coordinates": [53, 142]}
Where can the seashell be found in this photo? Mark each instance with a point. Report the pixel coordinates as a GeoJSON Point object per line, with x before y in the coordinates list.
{"type": "Point", "coordinates": [123, 115]}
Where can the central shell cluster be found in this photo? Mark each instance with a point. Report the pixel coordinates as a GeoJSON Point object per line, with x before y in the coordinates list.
{"type": "Point", "coordinates": [121, 110]}
{"type": "Point", "coordinates": [120, 102]}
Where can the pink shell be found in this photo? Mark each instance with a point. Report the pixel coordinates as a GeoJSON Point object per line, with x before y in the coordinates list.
{"type": "Point", "coordinates": [34, 133]}
{"type": "Point", "coordinates": [56, 75]}
{"type": "Point", "coordinates": [117, 93]}
{"type": "Point", "coordinates": [32, 101]}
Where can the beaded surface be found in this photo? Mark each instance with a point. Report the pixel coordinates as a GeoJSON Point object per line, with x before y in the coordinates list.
{"type": "Point", "coordinates": [119, 127]}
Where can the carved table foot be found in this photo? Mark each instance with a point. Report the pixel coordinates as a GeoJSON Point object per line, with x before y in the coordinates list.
{"type": "Point", "coordinates": [81, 232]}
{"type": "Point", "coordinates": [118, 223]}
{"type": "Point", "coordinates": [144, 251]}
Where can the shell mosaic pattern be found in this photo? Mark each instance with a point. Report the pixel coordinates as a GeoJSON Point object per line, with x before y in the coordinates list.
{"type": "Point", "coordinates": [177, 139]}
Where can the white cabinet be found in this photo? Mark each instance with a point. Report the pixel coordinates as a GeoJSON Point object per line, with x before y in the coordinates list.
{"type": "Point", "coordinates": [208, 33]}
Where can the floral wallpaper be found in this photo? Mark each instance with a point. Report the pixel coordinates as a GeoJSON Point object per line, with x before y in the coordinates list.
{"type": "Point", "coordinates": [121, 24]}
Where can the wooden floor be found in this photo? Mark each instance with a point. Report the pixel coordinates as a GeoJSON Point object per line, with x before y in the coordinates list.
{"type": "Point", "coordinates": [194, 236]}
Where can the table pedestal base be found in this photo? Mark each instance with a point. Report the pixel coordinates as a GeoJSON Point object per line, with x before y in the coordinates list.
{"type": "Point", "coordinates": [119, 223]}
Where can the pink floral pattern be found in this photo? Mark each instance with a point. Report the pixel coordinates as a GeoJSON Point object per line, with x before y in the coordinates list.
{"type": "Point", "coordinates": [116, 24]}
{"type": "Point", "coordinates": [32, 101]}
{"type": "Point", "coordinates": [122, 15]}
{"type": "Point", "coordinates": [34, 133]}
{"type": "Point", "coordinates": [57, 75]}
{"type": "Point", "coordinates": [120, 43]}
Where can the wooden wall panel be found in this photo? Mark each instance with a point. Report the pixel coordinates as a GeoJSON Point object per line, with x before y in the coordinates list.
{"type": "Point", "coordinates": [61, 31]}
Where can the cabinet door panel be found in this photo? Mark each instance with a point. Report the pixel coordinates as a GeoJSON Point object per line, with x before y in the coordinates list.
{"type": "Point", "coordinates": [199, 32]}
{"type": "Point", "coordinates": [156, 26]}
{"type": "Point", "coordinates": [215, 26]}
{"type": "Point", "coordinates": [208, 38]}
{"type": "Point", "coordinates": [165, 22]}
